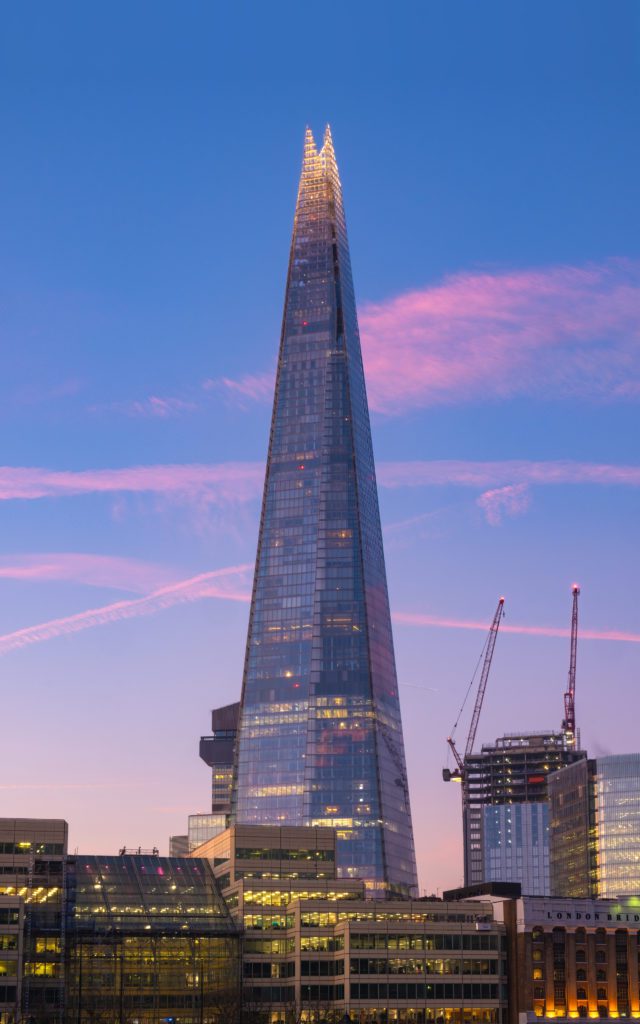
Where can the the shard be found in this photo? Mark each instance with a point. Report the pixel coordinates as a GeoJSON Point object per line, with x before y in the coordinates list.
{"type": "Point", "coordinates": [320, 735]}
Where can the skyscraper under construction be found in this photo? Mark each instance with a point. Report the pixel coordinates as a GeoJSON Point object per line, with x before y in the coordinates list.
{"type": "Point", "coordinates": [320, 735]}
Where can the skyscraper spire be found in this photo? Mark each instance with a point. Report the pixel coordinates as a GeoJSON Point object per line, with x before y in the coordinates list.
{"type": "Point", "coordinates": [320, 737]}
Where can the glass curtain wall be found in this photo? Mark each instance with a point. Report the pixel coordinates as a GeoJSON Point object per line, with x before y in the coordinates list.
{"type": "Point", "coordinates": [320, 736]}
{"type": "Point", "coordinates": [150, 940]}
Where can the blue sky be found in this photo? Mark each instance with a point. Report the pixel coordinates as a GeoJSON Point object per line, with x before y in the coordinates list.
{"type": "Point", "coordinates": [489, 158]}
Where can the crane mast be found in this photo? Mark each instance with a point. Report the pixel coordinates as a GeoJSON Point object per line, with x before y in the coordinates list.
{"type": "Point", "coordinates": [569, 721]}
{"type": "Point", "coordinates": [459, 773]}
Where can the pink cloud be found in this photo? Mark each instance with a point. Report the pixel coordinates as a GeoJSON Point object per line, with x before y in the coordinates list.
{"type": "Point", "coordinates": [232, 484]}
{"type": "Point", "coordinates": [233, 584]}
{"type": "Point", "coordinates": [92, 570]}
{"type": "Point", "coordinates": [227, 483]}
{"type": "Point", "coordinates": [549, 333]}
{"type": "Point", "coordinates": [229, 584]}
{"type": "Point", "coordinates": [421, 619]}
{"type": "Point", "coordinates": [512, 500]}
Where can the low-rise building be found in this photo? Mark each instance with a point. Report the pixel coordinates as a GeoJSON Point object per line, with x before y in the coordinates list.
{"type": "Point", "coordinates": [569, 958]}
{"type": "Point", "coordinates": [92, 939]}
{"type": "Point", "coordinates": [316, 949]}
{"type": "Point", "coordinates": [32, 883]}
{"type": "Point", "coordinates": [149, 939]}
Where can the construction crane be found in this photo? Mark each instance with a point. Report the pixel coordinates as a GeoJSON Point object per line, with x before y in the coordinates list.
{"type": "Point", "coordinates": [569, 720]}
{"type": "Point", "coordinates": [458, 773]}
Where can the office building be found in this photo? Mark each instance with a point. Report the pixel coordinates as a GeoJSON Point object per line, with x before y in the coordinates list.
{"type": "Point", "coordinates": [32, 950]}
{"type": "Point", "coordinates": [11, 962]}
{"type": "Point", "coordinates": [91, 940]}
{"type": "Point", "coordinates": [320, 737]}
{"type": "Point", "coordinates": [506, 809]}
{"type": "Point", "coordinates": [149, 939]}
{"type": "Point", "coordinates": [595, 828]}
{"type": "Point", "coordinates": [316, 949]}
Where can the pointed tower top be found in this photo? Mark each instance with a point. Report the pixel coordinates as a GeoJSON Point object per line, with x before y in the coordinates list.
{"type": "Point", "coordinates": [318, 164]}
{"type": "Point", "coordinates": [310, 148]}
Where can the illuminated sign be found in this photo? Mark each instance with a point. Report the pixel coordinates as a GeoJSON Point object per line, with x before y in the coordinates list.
{"type": "Point", "coordinates": [596, 915]}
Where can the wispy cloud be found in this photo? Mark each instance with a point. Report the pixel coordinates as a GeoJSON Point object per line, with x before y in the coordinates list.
{"type": "Point", "coordinates": [436, 621]}
{"type": "Point", "coordinates": [440, 473]}
{"type": "Point", "coordinates": [512, 500]}
{"type": "Point", "coordinates": [151, 407]}
{"type": "Point", "coordinates": [229, 584]}
{"type": "Point", "coordinates": [548, 333]}
{"type": "Point", "coordinates": [92, 570]}
{"type": "Point", "coordinates": [256, 387]}
{"type": "Point", "coordinates": [233, 584]}
{"type": "Point", "coordinates": [230, 484]}
{"type": "Point", "coordinates": [227, 483]}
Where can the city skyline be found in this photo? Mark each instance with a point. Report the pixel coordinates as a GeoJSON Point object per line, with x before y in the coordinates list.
{"type": "Point", "coordinates": [493, 228]}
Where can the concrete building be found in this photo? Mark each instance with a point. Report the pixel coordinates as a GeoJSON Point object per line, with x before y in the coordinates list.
{"type": "Point", "coordinates": [315, 949]}
{"type": "Point", "coordinates": [506, 809]}
{"type": "Point", "coordinates": [32, 941]}
{"type": "Point", "coordinates": [595, 828]}
{"type": "Point", "coordinates": [11, 956]}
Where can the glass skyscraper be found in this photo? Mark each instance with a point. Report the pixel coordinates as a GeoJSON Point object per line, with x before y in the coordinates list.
{"type": "Point", "coordinates": [320, 736]}
{"type": "Point", "coordinates": [595, 828]}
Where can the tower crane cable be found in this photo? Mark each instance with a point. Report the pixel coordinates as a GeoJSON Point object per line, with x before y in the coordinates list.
{"type": "Point", "coordinates": [487, 652]}
{"type": "Point", "coordinates": [466, 696]}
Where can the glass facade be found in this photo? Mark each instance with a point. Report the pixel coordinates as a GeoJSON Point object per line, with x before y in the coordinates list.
{"type": "Point", "coordinates": [203, 827]}
{"type": "Point", "coordinates": [571, 853]}
{"type": "Point", "coordinates": [595, 828]}
{"type": "Point", "coordinates": [617, 825]}
{"type": "Point", "coordinates": [150, 940]}
{"type": "Point", "coordinates": [320, 736]}
{"type": "Point", "coordinates": [516, 845]}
